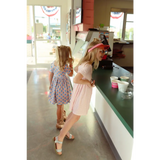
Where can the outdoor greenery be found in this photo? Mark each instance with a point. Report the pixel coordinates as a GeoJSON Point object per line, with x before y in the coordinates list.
{"type": "Point", "coordinates": [127, 33]}
{"type": "Point", "coordinates": [44, 29]}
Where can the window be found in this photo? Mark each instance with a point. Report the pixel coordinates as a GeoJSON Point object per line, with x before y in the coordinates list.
{"type": "Point", "coordinates": [48, 22]}
{"type": "Point", "coordinates": [116, 23]}
{"type": "Point", "coordinates": [121, 23]}
{"type": "Point", "coordinates": [129, 27]}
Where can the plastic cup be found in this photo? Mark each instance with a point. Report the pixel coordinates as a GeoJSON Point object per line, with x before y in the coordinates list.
{"type": "Point", "coordinates": [128, 94]}
{"type": "Point", "coordinates": [113, 78]}
{"type": "Point", "coordinates": [124, 78]}
{"type": "Point", "coordinates": [115, 83]}
{"type": "Point", "coordinates": [122, 86]}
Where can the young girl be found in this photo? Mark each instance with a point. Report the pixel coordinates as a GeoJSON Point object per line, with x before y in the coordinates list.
{"type": "Point", "coordinates": [82, 90]}
{"type": "Point", "coordinates": [60, 89]}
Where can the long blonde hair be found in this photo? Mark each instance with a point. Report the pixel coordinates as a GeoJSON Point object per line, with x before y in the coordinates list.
{"type": "Point", "coordinates": [63, 54]}
{"type": "Point", "coordinates": [91, 56]}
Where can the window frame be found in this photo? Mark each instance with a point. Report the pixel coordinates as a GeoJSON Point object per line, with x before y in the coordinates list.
{"type": "Point", "coordinates": [124, 26]}
{"type": "Point", "coordinates": [125, 11]}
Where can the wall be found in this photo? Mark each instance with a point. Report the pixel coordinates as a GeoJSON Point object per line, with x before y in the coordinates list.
{"type": "Point", "coordinates": [62, 4]}
{"type": "Point", "coordinates": [102, 7]}
{"type": "Point", "coordinates": [130, 56]}
{"type": "Point", "coordinates": [27, 28]}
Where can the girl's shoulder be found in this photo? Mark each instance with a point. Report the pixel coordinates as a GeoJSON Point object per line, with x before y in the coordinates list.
{"type": "Point", "coordinates": [86, 64]}
{"type": "Point", "coordinates": [55, 63]}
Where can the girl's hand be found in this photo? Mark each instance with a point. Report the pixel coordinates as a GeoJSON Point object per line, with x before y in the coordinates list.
{"type": "Point", "coordinates": [89, 84]}
{"type": "Point", "coordinates": [93, 83]}
{"type": "Point", "coordinates": [49, 87]}
{"type": "Point", "coordinates": [70, 61]}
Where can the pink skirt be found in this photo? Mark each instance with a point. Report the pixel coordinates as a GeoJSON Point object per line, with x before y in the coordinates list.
{"type": "Point", "coordinates": [80, 99]}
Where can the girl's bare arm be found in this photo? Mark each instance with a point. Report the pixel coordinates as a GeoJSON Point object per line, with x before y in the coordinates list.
{"type": "Point", "coordinates": [76, 69]}
{"type": "Point", "coordinates": [50, 78]}
{"type": "Point", "coordinates": [71, 68]}
{"type": "Point", "coordinates": [71, 73]}
{"type": "Point", "coordinates": [78, 79]}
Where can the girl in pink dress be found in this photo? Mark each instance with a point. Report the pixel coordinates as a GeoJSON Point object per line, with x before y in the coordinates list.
{"type": "Point", "coordinates": [82, 90]}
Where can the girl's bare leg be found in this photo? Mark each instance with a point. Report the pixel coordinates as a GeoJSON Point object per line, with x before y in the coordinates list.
{"type": "Point", "coordinates": [68, 116]}
{"type": "Point", "coordinates": [66, 121]}
{"type": "Point", "coordinates": [60, 117]}
{"type": "Point", "coordinates": [58, 111]}
{"type": "Point", "coordinates": [67, 126]}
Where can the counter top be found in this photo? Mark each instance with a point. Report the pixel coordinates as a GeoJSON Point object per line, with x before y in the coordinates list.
{"type": "Point", "coordinates": [123, 108]}
{"type": "Point", "coordinates": [123, 43]}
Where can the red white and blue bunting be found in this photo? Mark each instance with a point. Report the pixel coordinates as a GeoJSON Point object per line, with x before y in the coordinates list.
{"type": "Point", "coordinates": [116, 15]}
{"type": "Point", "coordinates": [50, 11]}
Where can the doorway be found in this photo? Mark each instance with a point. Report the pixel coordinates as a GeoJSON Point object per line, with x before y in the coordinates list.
{"type": "Point", "coordinates": [43, 34]}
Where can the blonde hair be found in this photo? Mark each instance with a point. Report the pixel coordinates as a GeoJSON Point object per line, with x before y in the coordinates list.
{"type": "Point", "coordinates": [63, 54]}
{"type": "Point", "coordinates": [91, 56]}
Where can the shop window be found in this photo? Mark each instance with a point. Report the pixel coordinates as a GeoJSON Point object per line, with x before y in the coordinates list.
{"type": "Point", "coordinates": [129, 27]}
{"type": "Point", "coordinates": [121, 23]}
{"type": "Point", "coordinates": [116, 23]}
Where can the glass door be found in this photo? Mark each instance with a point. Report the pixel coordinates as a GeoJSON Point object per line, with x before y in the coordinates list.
{"type": "Point", "coordinates": [47, 33]}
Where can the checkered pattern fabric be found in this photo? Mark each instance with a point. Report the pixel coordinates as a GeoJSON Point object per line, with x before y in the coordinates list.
{"type": "Point", "coordinates": [60, 91]}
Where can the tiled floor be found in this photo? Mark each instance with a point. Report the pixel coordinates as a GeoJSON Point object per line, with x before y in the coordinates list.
{"type": "Point", "coordinates": [89, 143]}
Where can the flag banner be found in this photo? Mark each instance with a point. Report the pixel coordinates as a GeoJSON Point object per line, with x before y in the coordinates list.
{"type": "Point", "coordinates": [50, 11]}
{"type": "Point", "coordinates": [116, 15]}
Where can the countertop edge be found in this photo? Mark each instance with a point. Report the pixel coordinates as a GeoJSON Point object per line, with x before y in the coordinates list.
{"type": "Point", "coordinates": [116, 112]}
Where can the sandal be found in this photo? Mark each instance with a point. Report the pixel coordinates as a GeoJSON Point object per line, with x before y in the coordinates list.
{"type": "Point", "coordinates": [64, 115]}
{"type": "Point", "coordinates": [60, 124]}
{"type": "Point", "coordinates": [55, 139]}
{"type": "Point", "coordinates": [69, 137]}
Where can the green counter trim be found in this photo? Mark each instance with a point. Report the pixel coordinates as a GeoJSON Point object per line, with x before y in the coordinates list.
{"type": "Point", "coordinates": [122, 108]}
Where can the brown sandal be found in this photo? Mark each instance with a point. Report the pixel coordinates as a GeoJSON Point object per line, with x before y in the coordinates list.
{"type": "Point", "coordinates": [60, 124]}
{"type": "Point", "coordinates": [64, 116]}
{"type": "Point", "coordinates": [69, 137]}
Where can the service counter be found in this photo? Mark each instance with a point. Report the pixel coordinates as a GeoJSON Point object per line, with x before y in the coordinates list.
{"type": "Point", "coordinates": [114, 114]}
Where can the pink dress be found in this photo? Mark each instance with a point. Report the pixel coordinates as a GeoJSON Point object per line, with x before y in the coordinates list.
{"type": "Point", "coordinates": [81, 95]}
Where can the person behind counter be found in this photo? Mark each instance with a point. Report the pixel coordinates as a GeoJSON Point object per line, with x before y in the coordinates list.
{"type": "Point", "coordinates": [82, 90]}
